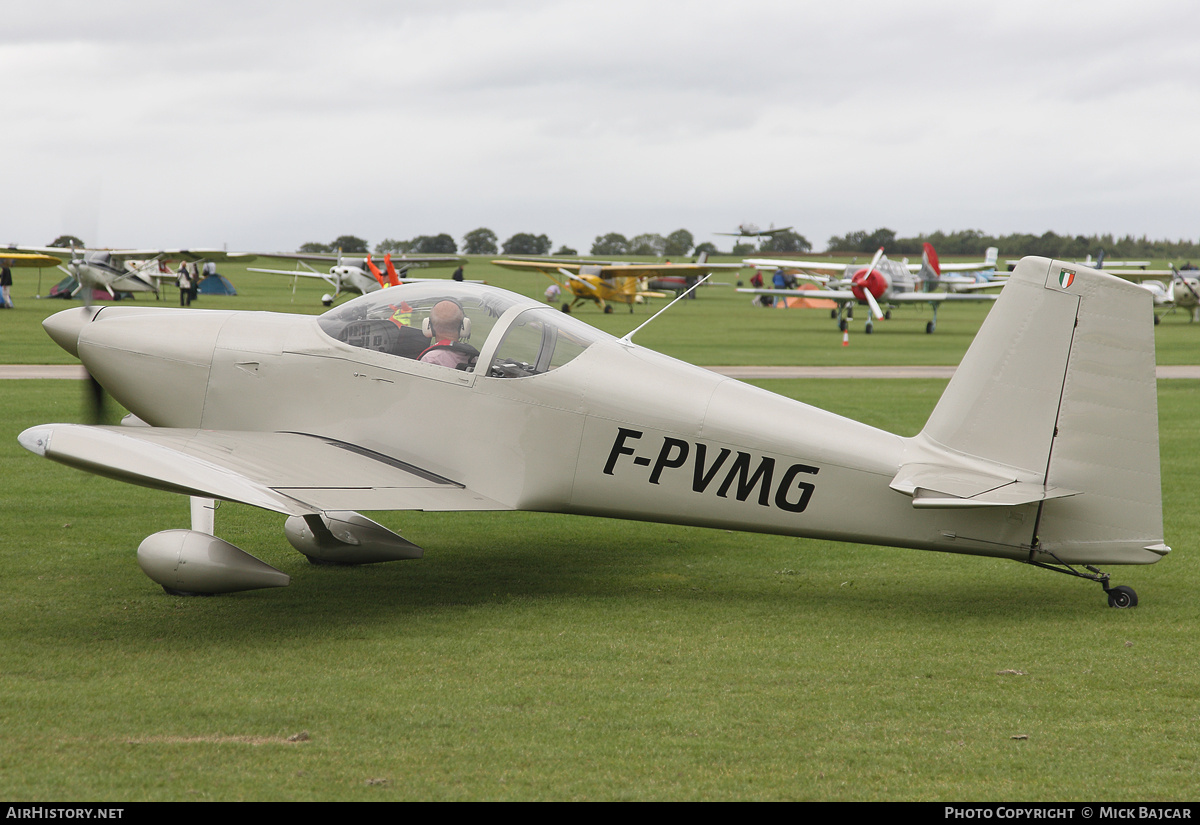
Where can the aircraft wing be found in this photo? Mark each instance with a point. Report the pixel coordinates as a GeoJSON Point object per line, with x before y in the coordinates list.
{"type": "Point", "coordinates": [30, 259]}
{"type": "Point", "coordinates": [1143, 274]}
{"type": "Point", "coordinates": [831, 294]}
{"type": "Point", "coordinates": [935, 297]}
{"type": "Point", "coordinates": [303, 273]}
{"type": "Point", "coordinates": [289, 473]}
{"type": "Point", "coordinates": [185, 254]}
{"type": "Point", "coordinates": [974, 266]}
{"type": "Point", "coordinates": [332, 259]}
{"type": "Point", "coordinates": [609, 270]}
{"type": "Point", "coordinates": [788, 263]}
{"type": "Point", "coordinates": [894, 298]}
{"type": "Point", "coordinates": [138, 254]}
{"type": "Point", "coordinates": [976, 286]}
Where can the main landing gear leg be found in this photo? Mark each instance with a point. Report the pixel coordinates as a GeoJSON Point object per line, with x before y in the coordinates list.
{"type": "Point", "coordinates": [1120, 596]}
{"type": "Point", "coordinates": [844, 315]}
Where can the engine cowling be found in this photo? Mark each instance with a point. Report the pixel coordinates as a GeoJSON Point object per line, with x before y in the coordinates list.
{"type": "Point", "coordinates": [188, 562]}
{"type": "Point", "coordinates": [868, 279]}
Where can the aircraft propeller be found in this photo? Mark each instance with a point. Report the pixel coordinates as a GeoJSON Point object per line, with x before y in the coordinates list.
{"type": "Point", "coordinates": [865, 280]}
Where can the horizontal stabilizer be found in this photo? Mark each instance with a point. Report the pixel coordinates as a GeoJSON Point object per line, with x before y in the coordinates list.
{"type": "Point", "coordinates": [932, 486]}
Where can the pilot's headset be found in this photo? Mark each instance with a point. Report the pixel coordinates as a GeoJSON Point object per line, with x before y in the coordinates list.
{"type": "Point", "coordinates": [464, 330]}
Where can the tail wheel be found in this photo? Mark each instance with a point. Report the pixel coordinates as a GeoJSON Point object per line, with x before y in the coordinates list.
{"type": "Point", "coordinates": [1122, 596]}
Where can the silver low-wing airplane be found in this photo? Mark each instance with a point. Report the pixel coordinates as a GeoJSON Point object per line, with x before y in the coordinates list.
{"type": "Point", "coordinates": [1043, 448]}
{"type": "Point", "coordinates": [123, 270]}
{"type": "Point", "coordinates": [880, 282]}
{"type": "Point", "coordinates": [356, 275]}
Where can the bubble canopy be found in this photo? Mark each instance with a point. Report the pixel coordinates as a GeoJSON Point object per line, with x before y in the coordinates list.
{"type": "Point", "coordinates": [518, 336]}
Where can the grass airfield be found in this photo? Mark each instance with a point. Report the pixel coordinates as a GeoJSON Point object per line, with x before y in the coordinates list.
{"type": "Point", "coordinates": [531, 656]}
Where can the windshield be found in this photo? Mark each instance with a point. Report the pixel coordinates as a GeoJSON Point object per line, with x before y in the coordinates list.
{"type": "Point", "coordinates": [539, 340]}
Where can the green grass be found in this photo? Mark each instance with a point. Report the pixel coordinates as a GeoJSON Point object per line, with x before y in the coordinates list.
{"type": "Point", "coordinates": [532, 656]}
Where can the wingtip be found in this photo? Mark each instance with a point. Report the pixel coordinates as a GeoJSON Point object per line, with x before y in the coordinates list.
{"type": "Point", "coordinates": [36, 439]}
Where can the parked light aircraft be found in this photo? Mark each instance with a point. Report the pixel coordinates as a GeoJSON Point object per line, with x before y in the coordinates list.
{"type": "Point", "coordinates": [880, 282]}
{"type": "Point", "coordinates": [356, 275]}
{"type": "Point", "coordinates": [1175, 291]}
{"type": "Point", "coordinates": [1179, 291]}
{"type": "Point", "coordinates": [123, 270]}
{"type": "Point", "coordinates": [608, 282]}
{"type": "Point", "coordinates": [749, 230]}
{"type": "Point", "coordinates": [1043, 448]}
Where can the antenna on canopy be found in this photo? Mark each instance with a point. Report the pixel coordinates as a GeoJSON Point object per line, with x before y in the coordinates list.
{"type": "Point", "coordinates": [628, 339]}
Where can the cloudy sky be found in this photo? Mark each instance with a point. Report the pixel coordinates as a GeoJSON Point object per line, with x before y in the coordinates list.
{"type": "Point", "coordinates": [263, 125]}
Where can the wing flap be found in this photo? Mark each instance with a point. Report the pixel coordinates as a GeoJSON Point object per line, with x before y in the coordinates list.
{"type": "Point", "coordinates": [290, 473]}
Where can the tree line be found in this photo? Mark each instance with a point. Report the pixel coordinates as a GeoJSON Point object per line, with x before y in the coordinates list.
{"type": "Point", "coordinates": [681, 242]}
{"type": "Point", "coordinates": [484, 241]}
{"type": "Point", "coordinates": [1048, 244]}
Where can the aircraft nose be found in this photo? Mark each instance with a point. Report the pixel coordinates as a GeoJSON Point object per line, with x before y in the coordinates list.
{"type": "Point", "coordinates": [64, 327]}
{"type": "Point", "coordinates": [154, 362]}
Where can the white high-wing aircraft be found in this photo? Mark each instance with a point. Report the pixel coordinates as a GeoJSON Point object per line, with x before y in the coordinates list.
{"type": "Point", "coordinates": [882, 282]}
{"type": "Point", "coordinates": [357, 275]}
{"type": "Point", "coordinates": [1177, 290]}
{"type": "Point", "coordinates": [124, 270]}
{"type": "Point", "coordinates": [1043, 448]}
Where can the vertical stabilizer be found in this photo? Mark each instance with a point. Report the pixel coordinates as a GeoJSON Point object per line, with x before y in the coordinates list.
{"type": "Point", "coordinates": [1059, 385]}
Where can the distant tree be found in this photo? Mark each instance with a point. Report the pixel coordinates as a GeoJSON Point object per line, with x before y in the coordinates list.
{"type": "Point", "coordinates": [441, 244]}
{"type": "Point", "coordinates": [647, 244]}
{"type": "Point", "coordinates": [743, 249]}
{"type": "Point", "coordinates": [480, 241]}
{"type": "Point", "coordinates": [610, 244]}
{"type": "Point", "coordinates": [787, 241]}
{"type": "Point", "coordinates": [679, 242]}
{"type": "Point", "coordinates": [350, 243]}
{"type": "Point", "coordinates": [394, 246]}
{"type": "Point", "coordinates": [524, 243]}
{"type": "Point", "coordinates": [67, 241]}
{"type": "Point", "coordinates": [706, 247]}
{"type": "Point", "coordinates": [314, 246]}
{"type": "Point", "coordinates": [566, 250]}
{"type": "Point", "coordinates": [861, 241]}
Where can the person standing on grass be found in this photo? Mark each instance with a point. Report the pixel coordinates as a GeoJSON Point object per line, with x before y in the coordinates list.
{"type": "Point", "coordinates": [6, 287]}
{"type": "Point", "coordinates": [184, 282]}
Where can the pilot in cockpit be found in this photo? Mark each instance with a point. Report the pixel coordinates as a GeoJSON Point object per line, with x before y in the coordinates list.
{"type": "Point", "coordinates": [447, 326]}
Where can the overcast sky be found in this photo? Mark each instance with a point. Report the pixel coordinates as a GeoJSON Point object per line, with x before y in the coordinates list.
{"type": "Point", "coordinates": [260, 126]}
